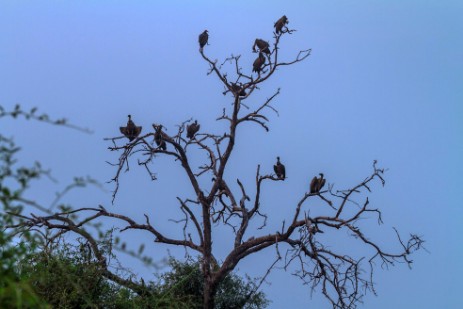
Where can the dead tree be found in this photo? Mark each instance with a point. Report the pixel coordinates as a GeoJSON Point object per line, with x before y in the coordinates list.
{"type": "Point", "coordinates": [340, 276]}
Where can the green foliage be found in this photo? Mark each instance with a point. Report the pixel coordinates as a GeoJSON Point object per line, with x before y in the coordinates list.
{"type": "Point", "coordinates": [15, 291]}
{"type": "Point", "coordinates": [14, 180]}
{"type": "Point", "coordinates": [185, 282]}
{"type": "Point", "coordinates": [67, 278]}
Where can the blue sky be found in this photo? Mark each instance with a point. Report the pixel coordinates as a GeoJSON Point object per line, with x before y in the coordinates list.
{"type": "Point", "coordinates": [384, 81]}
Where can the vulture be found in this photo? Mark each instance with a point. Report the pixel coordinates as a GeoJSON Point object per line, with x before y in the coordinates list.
{"type": "Point", "coordinates": [280, 24]}
{"type": "Point", "coordinates": [238, 89]}
{"type": "Point", "coordinates": [262, 45]}
{"type": "Point", "coordinates": [131, 131]}
{"type": "Point", "coordinates": [258, 63]}
{"type": "Point", "coordinates": [279, 169]}
{"type": "Point", "coordinates": [317, 184]}
{"type": "Point", "coordinates": [192, 129]}
{"type": "Point", "coordinates": [203, 37]}
{"type": "Point", "coordinates": [158, 137]}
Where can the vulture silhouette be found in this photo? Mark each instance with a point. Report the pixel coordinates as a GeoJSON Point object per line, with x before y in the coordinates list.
{"type": "Point", "coordinates": [238, 89]}
{"type": "Point", "coordinates": [279, 169]}
{"type": "Point", "coordinates": [131, 131]}
{"type": "Point", "coordinates": [317, 183]}
{"type": "Point", "coordinates": [262, 45]}
{"type": "Point", "coordinates": [280, 24]}
{"type": "Point", "coordinates": [258, 63]}
{"type": "Point", "coordinates": [192, 129]}
{"type": "Point", "coordinates": [158, 137]}
{"type": "Point", "coordinates": [203, 37]}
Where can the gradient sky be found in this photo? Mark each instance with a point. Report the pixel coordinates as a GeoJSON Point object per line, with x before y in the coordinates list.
{"type": "Point", "coordinates": [384, 82]}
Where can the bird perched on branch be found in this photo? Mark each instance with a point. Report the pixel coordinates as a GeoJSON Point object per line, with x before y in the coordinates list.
{"type": "Point", "coordinates": [279, 169]}
{"type": "Point", "coordinates": [258, 63]}
{"type": "Point", "coordinates": [131, 131]}
{"type": "Point", "coordinates": [317, 184]}
{"type": "Point", "coordinates": [238, 89]}
{"type": "Point", "coordinates": [262, 45]}
{"type": "Point", "coordinates": [203, 37]}
{"type": "Point", "coordinates": [158, 137]}
{"type": "Point", "coordinates": [280, 24]}
{"type": "Point", "coordinates": [192, 129]}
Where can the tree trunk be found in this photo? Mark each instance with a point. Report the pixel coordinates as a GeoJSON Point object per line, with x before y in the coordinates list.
{"type": "Point", "coordinates": [209, 293]}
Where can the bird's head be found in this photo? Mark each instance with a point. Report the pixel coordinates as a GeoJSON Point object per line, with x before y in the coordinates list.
{"type": "Point", "coordinates": [157, 127]}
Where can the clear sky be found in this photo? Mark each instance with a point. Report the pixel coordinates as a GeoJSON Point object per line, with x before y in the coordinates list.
{"type": "Point", "coordinates": [384, 82]}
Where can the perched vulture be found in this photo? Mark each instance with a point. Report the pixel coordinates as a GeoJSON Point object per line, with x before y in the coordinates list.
{"type": "Point", "coordinates": [203, 37]}
{"type": "Point", "coordinates": [317, 184]}
{"type": "Point", "coordinates": [131, 131]}
{"type": "Point", "coordinates": [158, 137]}
{"type": "Point", "coordinates": [238, 89]}
{"type": "Point", "coordinates": [314, 185]}
{"type": "Point", "coordinates": [280, 24]}
{"type": "Point", "coordinates": [258, 63]}
{"type": "Point", "coordinates": [262, 45]}
{"type": "Point", "coordinates": [279, 169]}
{"type": "Point", "coordinates": [192, 129]}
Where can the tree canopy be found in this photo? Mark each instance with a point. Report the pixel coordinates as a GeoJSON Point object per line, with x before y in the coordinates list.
{"type": "Point", "coordinates": [219, 201]}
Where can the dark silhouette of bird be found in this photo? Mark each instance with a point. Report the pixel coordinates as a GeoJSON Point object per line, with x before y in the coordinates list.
{"type": "Point", "coordinates": [192, 129]}
{"type": "Point", "coordinates": [314, 185]}
{"type": "Point", "coordinates": [279, 169]}
{"type": "Point", "coordinates": [158, 137]}
{"type": "Point", "coordinates": [131, 131]}
{"type": "Point", "coordinates": [238, 89]}
{"type": "Point", "coordinates": [203, 37]}
{"type": "Point", "coordinates": [280, 24]}
{"type": "Point", "coordinates": [317, 183]}
{"type": "Point", "coordinates": [262, 45]}
{"type": "Point", "coordinates": [258, 63]}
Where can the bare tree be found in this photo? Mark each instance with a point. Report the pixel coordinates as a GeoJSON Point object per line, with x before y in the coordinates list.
{"type": "Point", "coordinates": [340, 276]}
